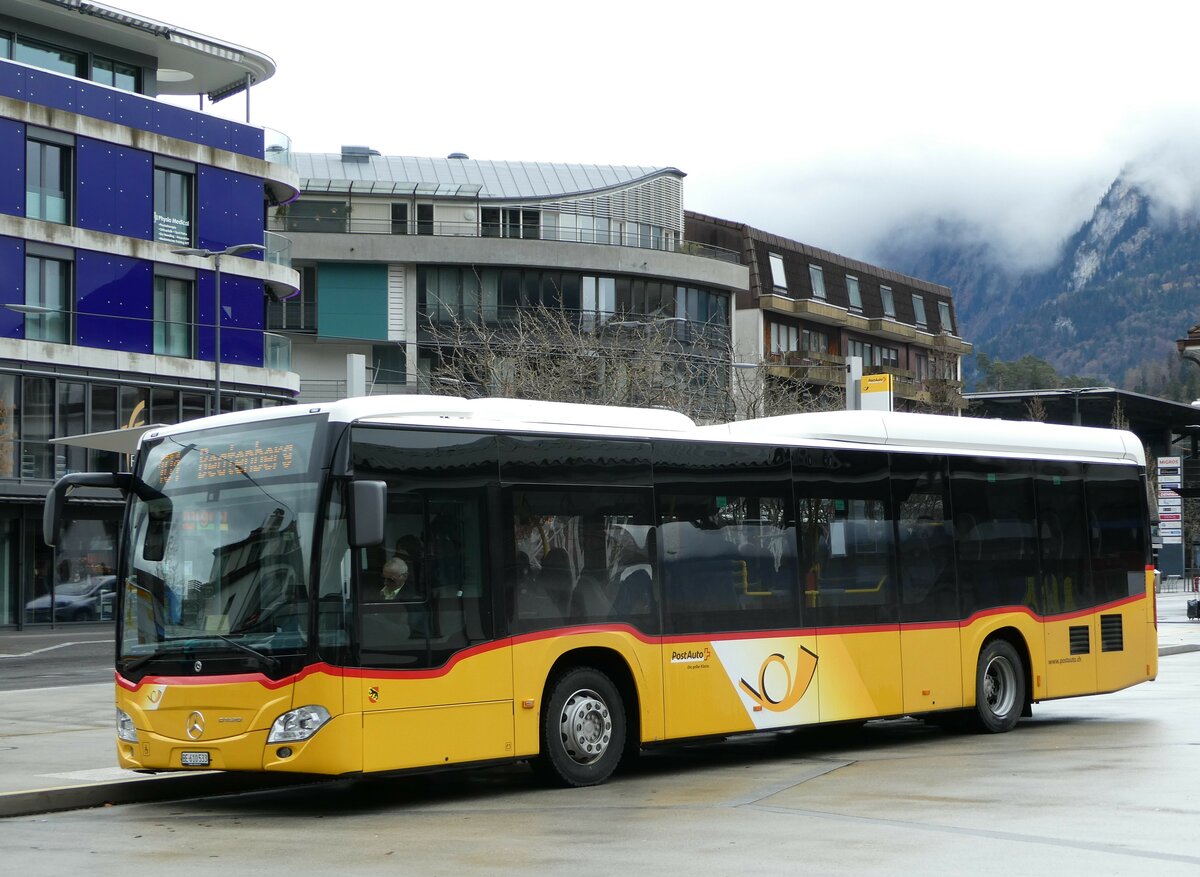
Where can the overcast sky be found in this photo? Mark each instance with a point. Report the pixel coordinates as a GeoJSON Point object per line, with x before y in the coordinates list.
{"type": "Point", "coordinates": [826, 122]}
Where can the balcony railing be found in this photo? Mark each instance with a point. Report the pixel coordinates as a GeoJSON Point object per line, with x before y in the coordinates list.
{"type": "Point", "coordinates": [440, 228]}
{"type": "Point", "coordinates": [277, 147]}
{"type": "Point", "coordinates": [279, 249]}
{"type": "Point", "coordinates": [315, 391]}
{"type": "Point", "coordinates": [277, 352]}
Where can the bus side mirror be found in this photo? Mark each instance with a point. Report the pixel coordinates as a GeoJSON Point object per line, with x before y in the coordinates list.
{"type": "Point", "coordinates": [368, 507]}
{"type": "Point", "coordinates": [56, 498]}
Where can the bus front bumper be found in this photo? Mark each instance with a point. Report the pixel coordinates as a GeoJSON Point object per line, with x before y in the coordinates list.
{"type": "Point", "coordinates": [336, 748]}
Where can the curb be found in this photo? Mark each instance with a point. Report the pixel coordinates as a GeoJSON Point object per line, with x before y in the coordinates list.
{"type": "Point", "coordinates": [144, 790]}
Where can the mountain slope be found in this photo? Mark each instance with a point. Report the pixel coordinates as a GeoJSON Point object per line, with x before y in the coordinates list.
{"type": "Point", "coordinates": [1123, 288]}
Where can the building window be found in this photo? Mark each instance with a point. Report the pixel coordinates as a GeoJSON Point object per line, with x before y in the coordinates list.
{"type": "Point", "coordinates": [889, 303]}
{"type": "Point", "coordinates": [817, 278]}
{"type": "Point", "coordinates": [47, 181]}
{"type": "Point", "coordinates": [109, 72]}
{"type": "Point", "coordinates": [48, 288]}
{"type": "Point", "coordinates": [389, 361]}
{"type": "Point", "coordinates": [778, 276]}
{"type": "Point", "coordinates": [814, 341]}
{"type": "Point", "coordinates": [599, 296]}
{"type": "Point", "coordinates": [399, 219]}
{"type": "Point", "coordinates": [514, 222]}
{"type": "Point", "coordinates": [874, 355]}
{"type": "Point", "coordinates": [919, 310]}
{"type": "Point", "coordinates": [784, 339]}
{"type": "Point", "coordinates": [921, 367]}
{"type": "Point", "coordinates": [944, 317]}
{"type": "Point", "coordinates": [46, 56]}
{"type": "Point", "coordinates": [853, 292]}
{"type": "Point", "coordinates": [173, 206]}
{"type": "Point", "coordinates": [172, 316]}
{"type": "Point", "coordinates": [424, 219]}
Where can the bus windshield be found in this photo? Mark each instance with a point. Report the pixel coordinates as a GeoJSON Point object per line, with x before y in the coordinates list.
{"type": "Point", "coordinates": [219, 544]}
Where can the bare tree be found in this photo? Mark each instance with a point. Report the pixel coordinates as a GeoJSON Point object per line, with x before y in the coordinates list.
{"type": "Point", "coordinates": [566, 356]}
{"type": "Point", "coordinates": [768, 389]}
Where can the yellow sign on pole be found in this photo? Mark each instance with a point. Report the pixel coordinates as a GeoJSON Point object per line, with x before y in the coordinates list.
{"type": "Point", "coordinates": [876, 392]}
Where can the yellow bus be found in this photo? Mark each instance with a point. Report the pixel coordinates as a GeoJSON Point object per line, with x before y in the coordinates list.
{"type": "Point", "coordinates": [409, 583]}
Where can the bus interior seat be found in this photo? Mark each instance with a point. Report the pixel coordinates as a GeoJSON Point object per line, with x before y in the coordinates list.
{"type": "Point", "coordinates": [636, 595]}
{"type": "Point", "coordinates": [588, 599]}
{"type": "Point", "coordinates": [555, 579]}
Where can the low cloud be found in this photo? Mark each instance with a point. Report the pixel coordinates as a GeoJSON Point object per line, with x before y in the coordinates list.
{"type": "Point", "coordinates": [1021, 210]}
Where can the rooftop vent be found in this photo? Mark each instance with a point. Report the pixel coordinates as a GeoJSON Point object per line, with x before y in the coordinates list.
{"type": "Point", "coordinates": [358, 153]}
{"type": "Point", "coordinates": [461, 155]}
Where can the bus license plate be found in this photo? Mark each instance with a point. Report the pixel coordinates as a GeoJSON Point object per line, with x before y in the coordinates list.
{"type": "Point", "coordinates": [194, 759]}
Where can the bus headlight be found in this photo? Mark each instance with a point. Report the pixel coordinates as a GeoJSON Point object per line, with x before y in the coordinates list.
{"type": "Point", "coordinates": [125, 729]}
{"type": "Point", "coordinates": [298, 724]}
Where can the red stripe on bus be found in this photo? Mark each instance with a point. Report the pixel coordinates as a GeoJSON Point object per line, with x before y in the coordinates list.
{"type": "Point", "coordinates": [580, 630]}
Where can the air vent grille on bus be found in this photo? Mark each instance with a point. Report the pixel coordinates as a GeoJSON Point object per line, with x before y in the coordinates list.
{"type": "Point", "coordinates": [1112, 633]}
{"type": "Point", "coordinates": [1081, 640]}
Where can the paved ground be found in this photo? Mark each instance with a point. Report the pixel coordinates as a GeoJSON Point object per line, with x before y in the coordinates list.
{"type": "Point", "coordinates": [57, 739]}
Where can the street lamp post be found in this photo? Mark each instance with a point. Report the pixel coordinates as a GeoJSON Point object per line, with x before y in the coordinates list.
{"type": "Point", "coordinates": [215, 255]}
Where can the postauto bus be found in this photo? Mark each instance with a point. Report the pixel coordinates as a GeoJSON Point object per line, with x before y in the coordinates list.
{"type": "Point", "coordinates": [407, 583]}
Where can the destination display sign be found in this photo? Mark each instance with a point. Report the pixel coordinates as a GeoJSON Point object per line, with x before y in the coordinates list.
{"type": "Point", "coordinates": [214, 457]}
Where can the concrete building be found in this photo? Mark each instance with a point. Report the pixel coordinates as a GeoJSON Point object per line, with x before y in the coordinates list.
{"type": "Point", "coordinates": [391, 249]}
{"type": "Point", "coordinates": [807, 310]}
{"type": "Point", "coordinates": [103, 325]}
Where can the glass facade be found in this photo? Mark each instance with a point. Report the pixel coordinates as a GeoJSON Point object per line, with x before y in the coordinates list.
{"type": "Point", "coordinates": [47, 181]}
{"type": "Point", "coordinates": [173, 316]}
{"type": "Point", "coordinates": [109, 72]}
{"type": "Point", "coordinates": [172, 207]}
{"type": "Point", "coordinates": [48, 290]}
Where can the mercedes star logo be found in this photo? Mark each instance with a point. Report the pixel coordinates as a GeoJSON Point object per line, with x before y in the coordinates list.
{"type": "Point", "coordinates": [195, 725]}
{"type": "Point", "coordinates": [197, 666]}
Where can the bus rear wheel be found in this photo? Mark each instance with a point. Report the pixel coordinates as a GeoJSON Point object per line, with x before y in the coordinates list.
{"type": "Point", "coordinates": [999, 687]}
{"type": "Point", "coordinates": [583, 729]}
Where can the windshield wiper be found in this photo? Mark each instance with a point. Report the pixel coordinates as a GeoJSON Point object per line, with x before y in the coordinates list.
{"type": "Point", "coordinates": [141, 662]}
{"type": "Point", "coordinates": [271, 665]}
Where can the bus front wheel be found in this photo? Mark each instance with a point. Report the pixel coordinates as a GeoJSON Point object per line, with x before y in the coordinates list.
{"type": "Point", "coordinates": [999, 687]}
{"type": "Point", "coordinates": [583, 729]}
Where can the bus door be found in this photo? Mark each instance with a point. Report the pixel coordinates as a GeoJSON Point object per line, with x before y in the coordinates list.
{"type": "Point", "coordinates": [929, 638]}
{"type": "Point", "coordinates": [433, 685]}
{"type": "Point", "coordinates": [578, 579]}
{"type": "Point", "coordinates": [735, 654]}
{"type": "Point", "coordinates": [850, 588]}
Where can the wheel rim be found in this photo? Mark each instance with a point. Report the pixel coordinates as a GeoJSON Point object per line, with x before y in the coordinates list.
{"type": "Point", "coordinates": [999, 685]}
{"type": "Point", "coordinates": [585, 726]}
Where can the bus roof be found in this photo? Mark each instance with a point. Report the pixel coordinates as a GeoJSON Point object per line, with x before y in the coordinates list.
{"type": "Point", "coordinates": [934, 432]}
{"type": "Point", "coordinates": [883, 430]}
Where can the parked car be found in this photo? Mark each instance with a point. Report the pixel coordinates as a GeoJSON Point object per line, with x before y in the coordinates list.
{"type": "Point", "coordinates": [89, 599]}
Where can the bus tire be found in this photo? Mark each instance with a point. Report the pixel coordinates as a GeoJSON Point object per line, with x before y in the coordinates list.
{"type": "Point", "coordinates": [999, 687]}
{"type": "Point", "coordinates": [583, 729]}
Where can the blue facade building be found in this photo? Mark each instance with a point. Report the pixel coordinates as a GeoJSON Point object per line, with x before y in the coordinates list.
{"type": "Point", "coordinates": [104, 323]}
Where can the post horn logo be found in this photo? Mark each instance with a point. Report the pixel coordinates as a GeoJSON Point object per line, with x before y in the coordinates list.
{"type": "Point", "coordinates": [769, 696]}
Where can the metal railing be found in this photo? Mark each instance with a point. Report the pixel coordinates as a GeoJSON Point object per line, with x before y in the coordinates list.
{"type": "Point", "coordinates": [277, 147]}
{"type": "Point", "coordinates": [331, 390]}
{"type": "Point", "coordinates": [441, 228]}
{"type": "Point", "coordinates": [1185, 584]}
{"type": "Point", "coordinates": [279, 249]}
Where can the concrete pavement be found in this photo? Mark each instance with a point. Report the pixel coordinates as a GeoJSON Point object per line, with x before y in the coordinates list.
{"type": "Point", "coordinates": [57, 744]}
